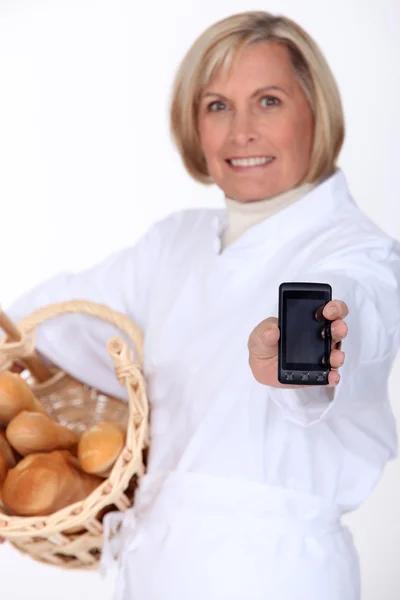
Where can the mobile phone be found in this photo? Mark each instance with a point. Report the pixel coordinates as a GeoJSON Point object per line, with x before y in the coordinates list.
{"type": "Point", "coordinates": [305, 335]}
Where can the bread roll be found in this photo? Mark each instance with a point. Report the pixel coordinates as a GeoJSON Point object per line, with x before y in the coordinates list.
{"type": "Point", "coordinates": [99, 447]}
{"type": "Point", "coordinates": [44, 483]}
{"type": "Point", "coordinates": [15, 396]}
{"type": "Point", "coordinates": [6, 450]}
{"type": "Point", "coordinates": [34, 432]}
{"type": "Point", "coordinates": [4, 467]}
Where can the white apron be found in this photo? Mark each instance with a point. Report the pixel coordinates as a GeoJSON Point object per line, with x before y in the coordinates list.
{"type": "Point", "coordinates": [203, 537]}
{"type": "Point", "coordinates": [246, 484]}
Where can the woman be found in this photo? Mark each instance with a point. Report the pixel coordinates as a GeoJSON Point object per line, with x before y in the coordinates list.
{"type": "Point", "coordinates": [247, 478]}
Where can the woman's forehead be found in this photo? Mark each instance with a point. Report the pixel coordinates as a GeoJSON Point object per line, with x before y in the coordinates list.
{"type": "Point", "coordinates": [254, 67]}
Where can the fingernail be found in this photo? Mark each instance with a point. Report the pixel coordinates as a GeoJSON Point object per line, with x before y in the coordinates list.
{"type": "Point", "coordinates": [337, 378]}
{"type": "Point", "coordinates": [333, 312]}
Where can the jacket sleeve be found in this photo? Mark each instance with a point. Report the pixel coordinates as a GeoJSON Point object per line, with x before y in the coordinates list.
{"type": "Point", "coordinates": [77, 343]}
{"type": "Point", "coordinates": [371, 290]}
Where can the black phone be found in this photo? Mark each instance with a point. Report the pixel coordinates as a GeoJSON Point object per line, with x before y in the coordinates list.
{"type": "Point", "coordinates": [305, 334]}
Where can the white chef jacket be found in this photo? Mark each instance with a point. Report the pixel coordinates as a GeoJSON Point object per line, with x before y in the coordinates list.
{"type": "Point", "coordinates": [246, 483]}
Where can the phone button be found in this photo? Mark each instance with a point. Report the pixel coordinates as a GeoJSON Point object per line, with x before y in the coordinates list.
{"type": "Point", "coordinates": [305, 376]}
{"type": "Point", "coordinates": [289, 376]}
{"type": "Point", "coordinates": [320, 377]}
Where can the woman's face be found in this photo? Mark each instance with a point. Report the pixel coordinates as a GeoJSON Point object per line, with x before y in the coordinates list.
{"type": "Point", "coordinates": [255, 126]}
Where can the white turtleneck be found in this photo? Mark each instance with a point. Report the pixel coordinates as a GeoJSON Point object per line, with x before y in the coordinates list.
{"type": "Point", "coordinates": [243, 215]}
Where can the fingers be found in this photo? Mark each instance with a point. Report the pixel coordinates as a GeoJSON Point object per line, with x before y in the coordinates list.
{"type": "Point", "coordinates": [335, 309]}
{"type": "Point", "coordinates": [333, 378]}
{"type": "Point", "coordinates": [336, 358]}
{"type": "Point", "coordinates": [339, 331]}
{"type": "Point", "coordinates": [263, 340]}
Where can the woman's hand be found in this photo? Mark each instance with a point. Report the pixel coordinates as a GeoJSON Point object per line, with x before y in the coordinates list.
{"type": "Point", "coordinates": [263, 346]}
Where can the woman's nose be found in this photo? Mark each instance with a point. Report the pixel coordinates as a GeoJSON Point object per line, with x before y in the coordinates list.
{"type": "Point", "coordinates": [243, 128]}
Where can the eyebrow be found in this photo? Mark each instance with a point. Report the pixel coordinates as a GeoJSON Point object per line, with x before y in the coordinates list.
{"type": "Point", "coordinates": [267, 88]}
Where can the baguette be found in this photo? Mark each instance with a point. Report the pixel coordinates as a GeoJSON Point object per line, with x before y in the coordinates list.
{"type": "Point", "coordinates": [44, 483]}
{"type": "Point", "coordinates": [32, 432]}
{"type": "Point", "coordinates": [99, 447]}
{"type": "Point", "coordinates": [15, 396]}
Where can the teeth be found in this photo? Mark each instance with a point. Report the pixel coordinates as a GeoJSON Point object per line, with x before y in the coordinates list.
{"type": "Point", "coordinates": [251, 162]}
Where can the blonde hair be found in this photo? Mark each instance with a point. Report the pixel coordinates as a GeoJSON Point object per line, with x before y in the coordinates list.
{"type": "Point", "coordinates": [214, 51]}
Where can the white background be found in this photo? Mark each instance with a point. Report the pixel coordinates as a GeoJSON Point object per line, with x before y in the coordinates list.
{"type": "Point", "coordinates": [86, 164]}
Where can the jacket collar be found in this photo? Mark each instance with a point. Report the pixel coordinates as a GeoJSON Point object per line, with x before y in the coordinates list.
{"type": "Point", "coordinates": [322, 204]}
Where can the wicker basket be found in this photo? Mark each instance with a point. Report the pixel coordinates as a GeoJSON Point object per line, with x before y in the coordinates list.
{"type": "Point", "coordinates": [71, 403]}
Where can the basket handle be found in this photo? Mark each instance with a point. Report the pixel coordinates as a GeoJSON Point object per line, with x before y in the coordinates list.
{"type": "Point", "coordinates": [33, 362]}
{"type": "Point", "coordinates": [27, 325]}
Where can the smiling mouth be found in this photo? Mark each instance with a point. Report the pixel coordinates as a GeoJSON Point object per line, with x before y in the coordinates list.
{"type": "Point", "coordinates": [254, 161]}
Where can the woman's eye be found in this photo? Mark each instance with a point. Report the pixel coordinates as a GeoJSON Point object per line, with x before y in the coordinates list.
{"type": "Point", "coordinates": [217, 105]}
{"type": "Point", "coordinates": [270, 101]}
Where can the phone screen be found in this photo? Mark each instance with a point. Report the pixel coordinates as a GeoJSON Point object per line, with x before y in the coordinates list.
{"type": "Point", "coordinates": [304, 346]}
